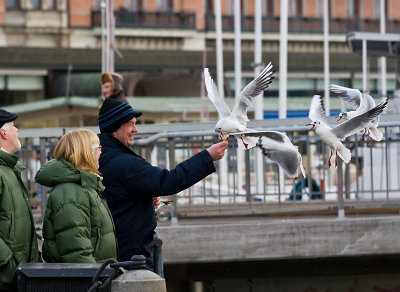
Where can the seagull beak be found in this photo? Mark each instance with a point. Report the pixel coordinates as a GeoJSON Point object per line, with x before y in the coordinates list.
{"type": "Point", "coordinates": [340, 117]}
{"type": "Point", "coordinates": [223, 137]}
{"type": "Point", "coordinates": [312, 126]}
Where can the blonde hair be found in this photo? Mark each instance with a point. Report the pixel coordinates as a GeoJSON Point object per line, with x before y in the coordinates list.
{"type": "Point", "coordinates": [76, 148]}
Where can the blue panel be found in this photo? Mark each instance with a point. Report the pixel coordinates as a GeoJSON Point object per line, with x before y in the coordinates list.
{"type": "Point", "coordinates": [293, 114]}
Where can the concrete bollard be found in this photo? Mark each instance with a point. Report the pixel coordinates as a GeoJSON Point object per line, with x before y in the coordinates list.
{"type": "Point", "coordinates": [138, 280]}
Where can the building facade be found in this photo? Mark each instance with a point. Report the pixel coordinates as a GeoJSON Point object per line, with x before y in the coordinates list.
{"type": "Point", "coordinates": [52, 48]}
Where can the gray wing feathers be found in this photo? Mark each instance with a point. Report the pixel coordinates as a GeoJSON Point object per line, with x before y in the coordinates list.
{"type": "Point", "coordinates": [359, 122]}
{"type": "Point", "coordinates": [274, 135]}
{"type": "Point", "coordinates": [350, 96]}
{"type": "Point", "coordinates": [248, 94]}
{"type": "Point", "coordinates": [214, 96]}
{"type": "Point", "coordinates": [286, 157]}
{"type": "Point", "coordinates": [367, 103]}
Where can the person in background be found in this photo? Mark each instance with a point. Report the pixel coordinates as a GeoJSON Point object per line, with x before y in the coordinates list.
{"type": "Point", "coordinates": [113, 86]}
{"type": "Point", "coordinates": [18, 241]}
{"type": "Point", "coordinates": [35, 188]}
{"type": "Point", "coordinates": [132, 183]}
{"type": "Point", "coordinates": [77, 227]}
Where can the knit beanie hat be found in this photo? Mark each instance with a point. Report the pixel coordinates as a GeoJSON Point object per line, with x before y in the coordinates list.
{"type": "Point", "coordinates": [6, 117]}
{"type": "Point", "coordinates": [114, 113]}
{"type": "Point", "coordinates": [116, 81]}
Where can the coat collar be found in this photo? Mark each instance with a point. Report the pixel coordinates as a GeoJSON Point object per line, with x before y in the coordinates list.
{"type": "Point", "coordinates": [11, 160]}
{"type": "Point", "coordinates": [108, 140]}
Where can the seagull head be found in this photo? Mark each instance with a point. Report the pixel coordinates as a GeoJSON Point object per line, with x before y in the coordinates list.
{"type": "Point", "coordinates": [313, 125]}
{"type": "Point", "coordinates": [342, 115]}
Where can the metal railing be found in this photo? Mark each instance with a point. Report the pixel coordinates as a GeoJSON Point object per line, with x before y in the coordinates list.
{"type": "Point", "coordinates": [370, 180]}
{"type": "Point", "coordinates": [140, 19]}
{"type": "Point", "coordinates": [302, 24]}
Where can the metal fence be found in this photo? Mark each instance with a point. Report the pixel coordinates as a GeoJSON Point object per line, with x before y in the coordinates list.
{"type": "Point", "coordinates": [371, 179]}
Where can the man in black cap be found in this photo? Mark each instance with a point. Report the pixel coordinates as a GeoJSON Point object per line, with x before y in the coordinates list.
{"type": "Point", "coordinates": [132, 183]}
{"type": "Point", "coordinates": [18, 241]}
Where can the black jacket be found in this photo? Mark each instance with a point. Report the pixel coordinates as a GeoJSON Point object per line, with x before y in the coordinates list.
{"type": "Point", "coordinates": [131, 183]}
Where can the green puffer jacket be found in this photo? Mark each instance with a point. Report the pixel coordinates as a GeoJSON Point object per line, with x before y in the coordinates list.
{"type": "Point", "coordinates": [77, 227]}
{"type": "Point", "coordinates": [18, 241]}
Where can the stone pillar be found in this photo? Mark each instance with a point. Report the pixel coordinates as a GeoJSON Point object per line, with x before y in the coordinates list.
{"type": "Point", "coordinates": [138, 280]}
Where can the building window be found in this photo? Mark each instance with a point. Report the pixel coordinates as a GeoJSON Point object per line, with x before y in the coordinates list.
{"type": "Point", "coordinates": [231, 7]}
{"type": "Point", "coordinates": [341, 8]}
{"type": "Point", "coordinates": [36, 4]}
{"type": "Point", "coordinates": [377, 9]}
{"type": "Point", "coordinates": [165, 5]}
{"type": "Point", "coordinates": [134, 5]}
{"type": "Point", "coordinates": [292, 12]}
{"type": "Point", "coordinates": [210, 6]}
{"type": "Point", "coordinates": [50, 4]}
{"type": "Point", "coordinates": [265, 7]}
{"type": "Point", "coordinates": [13, 4]}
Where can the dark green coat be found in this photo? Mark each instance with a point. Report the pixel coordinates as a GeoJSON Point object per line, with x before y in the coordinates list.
{"type": "Point", "coordinates": [18, 241]}
{"type": "Point", "coordinates": [77, 226]}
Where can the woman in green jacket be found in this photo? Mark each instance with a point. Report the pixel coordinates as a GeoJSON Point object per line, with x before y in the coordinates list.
{"type": "Point", "coordinates": [77, 227]}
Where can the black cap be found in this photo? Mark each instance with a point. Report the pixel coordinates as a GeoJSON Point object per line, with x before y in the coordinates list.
{"type": "Point", "coordinates": [114, 113]}
{"type": "Point", "coordinates": [6, 117]}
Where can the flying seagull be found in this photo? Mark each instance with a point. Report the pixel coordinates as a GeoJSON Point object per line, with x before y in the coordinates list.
{"type": "Point", "coordinates": [278, 148]}
{"type": "Point", "coordinates": [333, 136]}
{"type": "Point", "coordinates": [361, 103]}
{"type": "Point", "coordinates": [236, 121]}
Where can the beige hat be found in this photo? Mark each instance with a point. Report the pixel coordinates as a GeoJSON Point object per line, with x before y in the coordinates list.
{"type": "Point", "coordinates": [115, 79]}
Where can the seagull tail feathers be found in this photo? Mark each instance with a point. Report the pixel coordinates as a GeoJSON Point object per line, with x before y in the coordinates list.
{"type": "Point", "coordinates": [344, 153]}
{"type": "Point", "coordinates": [375, 134]}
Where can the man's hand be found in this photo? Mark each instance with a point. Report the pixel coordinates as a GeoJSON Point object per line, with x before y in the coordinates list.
{"type": "Point", "coordinates": [217, 151]}
{"type": "Point", "coordinates": [156, 202]}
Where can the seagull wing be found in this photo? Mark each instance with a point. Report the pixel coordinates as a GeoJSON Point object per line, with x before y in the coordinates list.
{"type": "Point", "coordinates": [367, 103]}
{"type": "Point", "coordinates": [352, 97]}
{"type": "Point", "coordinates": [285, 155]}
{"type": "Point", "coordinates": [214, 96]}
{"type": "Point", "coordinates": [248, 94]}
{"type": "Point", "coordinates": [274, 135]}
{"type": "Point", "coordinates": [317, 111]}
{"type": "Point", "coordinates": [359, 122]}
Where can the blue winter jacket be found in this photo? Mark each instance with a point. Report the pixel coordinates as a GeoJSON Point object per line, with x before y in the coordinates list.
{"type": "Point", "coordinates": [131, 183]}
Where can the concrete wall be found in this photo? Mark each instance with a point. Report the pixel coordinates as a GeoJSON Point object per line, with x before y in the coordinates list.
{"type": "Point", "coordinates": [280, 239]}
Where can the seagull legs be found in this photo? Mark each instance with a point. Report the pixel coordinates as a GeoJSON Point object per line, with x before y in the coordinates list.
{"type": "Point", "coordinates": [363, 136]}
{"type": "Point", "coordinates": [336, 159]}
{"type": "Point", "coordinates": [329, 160]}
{"type": "Point", "coordinates": [244, 143]}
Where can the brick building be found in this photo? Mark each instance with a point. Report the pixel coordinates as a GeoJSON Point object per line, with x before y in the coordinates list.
{"type": "Point", "coordinates": [162, 45]}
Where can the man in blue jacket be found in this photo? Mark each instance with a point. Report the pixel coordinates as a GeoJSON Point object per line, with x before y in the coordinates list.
{"type": "Point", "coordinates": [132, 183]}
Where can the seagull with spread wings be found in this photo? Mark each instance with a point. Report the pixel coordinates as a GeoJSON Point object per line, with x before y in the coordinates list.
{"type": "Point", "coordinates": [278, 148]}
{"type": "Point", "coordinates": [236, 121]}
{"type": "Point", "coordinates": [361, 103]}
{"type": "Point", "coordinates": [333, 136]}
